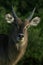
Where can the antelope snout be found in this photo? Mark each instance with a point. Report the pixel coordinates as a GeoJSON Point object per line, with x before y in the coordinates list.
{"type": "Point", "coordinates": [20, 36]}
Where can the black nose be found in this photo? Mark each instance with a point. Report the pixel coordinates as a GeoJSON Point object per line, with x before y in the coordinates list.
{"type": "Point", "coordinates": [21, 35]}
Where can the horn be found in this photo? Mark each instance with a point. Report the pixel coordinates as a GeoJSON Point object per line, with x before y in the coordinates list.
{"type": "Point", "coordinates": [30, 17]}
{"type": "Point", "coordinates": [13, 13]}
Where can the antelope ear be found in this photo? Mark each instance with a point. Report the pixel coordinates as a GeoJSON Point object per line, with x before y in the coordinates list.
{"type": "Point", "coordinates": [9, 18]}
{"type": "Point", "coordinates": [35, 21]}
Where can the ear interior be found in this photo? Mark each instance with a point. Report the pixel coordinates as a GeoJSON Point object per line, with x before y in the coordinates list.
{"type": "Point", "coordinates": [9, 18]}
{"type": "Point", "coordinates": [35, 21]}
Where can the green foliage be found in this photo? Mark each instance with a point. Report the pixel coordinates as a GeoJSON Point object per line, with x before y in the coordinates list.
{"type": "Point", "coordinates": [22, 6]}
{"type": "Point", "coordinates": [35, 38]}
{"type": "Point", "coordinates": [4, 26]}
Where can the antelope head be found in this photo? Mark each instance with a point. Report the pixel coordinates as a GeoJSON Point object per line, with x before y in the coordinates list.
{"type": "Point", "coordinates": [18, 39]}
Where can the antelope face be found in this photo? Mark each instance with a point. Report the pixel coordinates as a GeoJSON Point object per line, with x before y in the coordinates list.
{"type": "Point", "coordinates": [22, 25]}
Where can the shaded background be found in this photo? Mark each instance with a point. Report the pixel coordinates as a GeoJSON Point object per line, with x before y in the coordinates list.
{"type": "Point", "coordinates": [23, 8]}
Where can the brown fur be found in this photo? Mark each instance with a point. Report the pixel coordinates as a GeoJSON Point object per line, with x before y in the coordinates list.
{"type": "Point", "coordinates": [22, 49]}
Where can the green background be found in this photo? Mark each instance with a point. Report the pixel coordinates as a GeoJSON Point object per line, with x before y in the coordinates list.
{"type": "Point", "coordinates": [34, 52]}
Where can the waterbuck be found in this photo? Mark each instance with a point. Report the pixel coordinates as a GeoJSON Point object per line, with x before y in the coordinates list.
{"type": "Point", "coordinates": [18, 39]}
